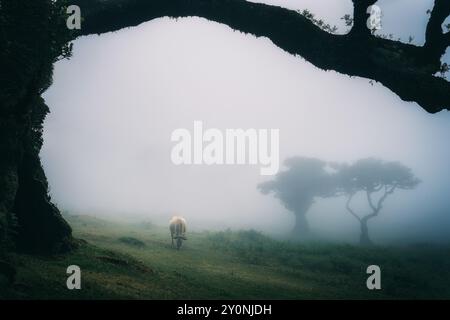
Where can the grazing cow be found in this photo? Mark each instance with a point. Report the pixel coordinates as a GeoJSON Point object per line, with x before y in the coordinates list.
{"type": "Point", "coordinates": [177, 226]}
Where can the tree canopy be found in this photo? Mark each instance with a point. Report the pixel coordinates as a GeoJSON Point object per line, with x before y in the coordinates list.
{"type": "Point", "coordinates": [296, 187]}
{"type": "Point", "coordinates": [374, 177]}
{"type": "Point", "coordinates": [408, 70]}
{"type": "Point", "coordinates": [306, 179]}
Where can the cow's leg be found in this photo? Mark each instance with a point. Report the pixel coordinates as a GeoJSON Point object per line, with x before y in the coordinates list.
{"type": "Point", "coordinates": [171, 234]}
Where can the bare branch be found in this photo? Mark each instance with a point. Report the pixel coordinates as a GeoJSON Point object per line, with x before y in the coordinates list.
{"type": "Point", "coordinates": [385, 195]}
{"type": "Point", "coordinates": [347, 205]}
{"type": "Point", "coordinates": [369, 199]}
{"type": "Point", "coordinates": [376, 209]}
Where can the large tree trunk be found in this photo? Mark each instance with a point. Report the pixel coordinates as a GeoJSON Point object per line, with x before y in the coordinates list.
{"type": "Point", "coordinates": [301, 227]}
{"type": "Point", "coordinates": [29, 43]}
{"type": "Point", "coordinates": [364, 237]}
{"type": "Point", "coordinates": [9, 181]}
{"type": "Point", "coordinates": [40, 226]}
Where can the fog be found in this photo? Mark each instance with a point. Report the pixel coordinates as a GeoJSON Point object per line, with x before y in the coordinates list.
{"type": "Point", "coordinates": [115, 104]}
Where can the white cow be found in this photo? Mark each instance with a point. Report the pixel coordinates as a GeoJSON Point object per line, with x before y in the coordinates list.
{"type": "Point", "coordinates": [177, 226]}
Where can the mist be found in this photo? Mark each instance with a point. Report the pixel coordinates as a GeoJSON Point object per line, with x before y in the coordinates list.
{"type": "Point", "coordinates": [115, 103]}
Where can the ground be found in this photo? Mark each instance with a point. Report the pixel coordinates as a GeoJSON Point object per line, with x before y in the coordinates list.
{"type": "Point", "coordinates": [136, 261]}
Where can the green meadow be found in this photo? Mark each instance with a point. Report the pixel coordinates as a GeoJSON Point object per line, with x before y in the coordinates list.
{"type": "Point", "coordinates": [136, 261]}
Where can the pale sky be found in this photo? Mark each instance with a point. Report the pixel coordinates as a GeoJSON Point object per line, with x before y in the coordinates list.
{"type": "Point", "coordinates": [115, 103]}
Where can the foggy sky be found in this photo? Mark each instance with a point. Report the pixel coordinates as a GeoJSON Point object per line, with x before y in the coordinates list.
{"type": "Point", "coordinates": [115, 104]}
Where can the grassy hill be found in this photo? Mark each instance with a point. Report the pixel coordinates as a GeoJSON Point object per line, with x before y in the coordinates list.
{"type": "Point", "coordinates": [136, 261]}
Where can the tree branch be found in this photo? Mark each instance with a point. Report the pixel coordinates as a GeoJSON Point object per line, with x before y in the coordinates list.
{"type": "Point", "coordinates": [381, 200]}
{"type": "Point", "coordinates": [436, 42]}
{"type": "Point", "coordinates": [376, 210]}
{"type": "Point", "coordinates": [369, 199]}
{"type": "Point", "coordinates": [347, 205]}
{"type": "Point", "coordinates": [405, 69]}
{"type": "Point", "coordinates": [376, 189]}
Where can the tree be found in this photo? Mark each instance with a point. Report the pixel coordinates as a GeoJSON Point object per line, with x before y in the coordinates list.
{"type": "Point", "coordinates": [406, 69]}
{"type": "Point", "coordinates": [304, 180]}
{"type": "Point", "coordinates": [307, 179]}
{"type": "Point", "coordinates": [33, 35]}
{"type": "Point", "coordinates": [373, 177]}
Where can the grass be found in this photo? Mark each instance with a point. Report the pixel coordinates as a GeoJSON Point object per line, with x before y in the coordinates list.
{"type": "Point", "coordinates": [136, 261]}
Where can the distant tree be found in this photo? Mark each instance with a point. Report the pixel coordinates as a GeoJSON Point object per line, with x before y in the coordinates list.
{"type": "Point", "coordinates": [377, 179]}
{"type": "Point", "coordinates": [304, 180]}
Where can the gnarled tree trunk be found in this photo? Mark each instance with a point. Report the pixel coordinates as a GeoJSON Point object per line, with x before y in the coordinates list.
{"type": "Point", "coordinates": [31, 38]}
{"type": "Point", "coordinates": [364, 237]}
{"type": "Point", "coordinates": [301, 227]}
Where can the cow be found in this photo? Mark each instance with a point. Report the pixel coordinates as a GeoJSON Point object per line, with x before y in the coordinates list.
{"type": "Point", "coordinates": [177, 226]}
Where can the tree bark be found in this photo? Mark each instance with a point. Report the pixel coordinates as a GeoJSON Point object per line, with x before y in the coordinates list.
{"type": "Point", "coordinates": [32, 35]}
{"type": "Point", "coordinates": [41, 228]}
